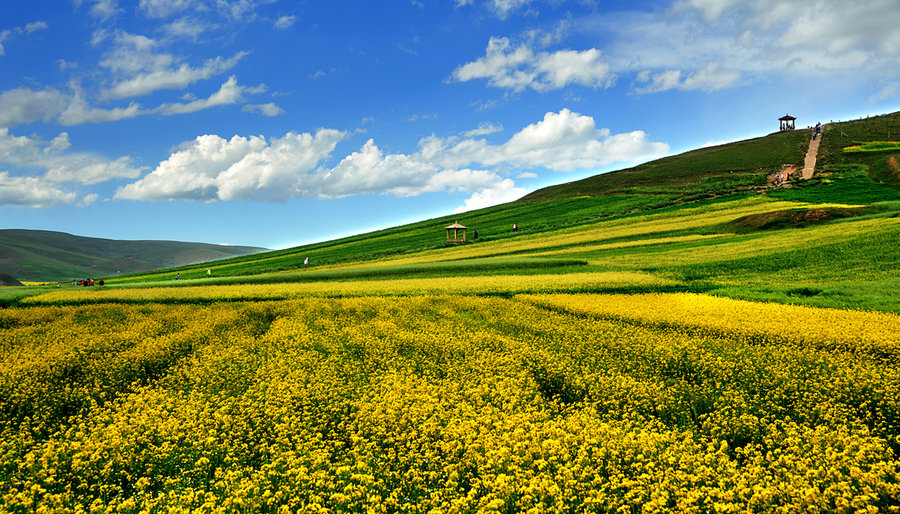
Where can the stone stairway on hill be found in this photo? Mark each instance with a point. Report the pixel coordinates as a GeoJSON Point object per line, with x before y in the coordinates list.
{"type": "Point", "coordinates": [809, 164]}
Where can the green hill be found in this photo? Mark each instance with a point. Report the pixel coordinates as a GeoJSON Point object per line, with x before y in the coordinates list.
{"type": "Point", "coordinates": [708, 220]}
{"type": "Point", "coordinates": [39, 256]}
{"type": "Point", "coordinates": [717, 170]}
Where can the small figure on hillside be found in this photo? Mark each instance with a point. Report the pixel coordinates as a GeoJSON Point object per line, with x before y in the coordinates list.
{"type": "Point", "coordinates": [100, 282]}
{"type": "Point", "coordinates": [305, 261]}
{"type": "Point", "coordinates": [208, 273]}
{"type": "Point", "coordinates": [177, 276]}
{"type": "Point", "coordinates": [476, 233]}
{"type": "Point", "coordinates": [515, 227]}
{"type": "Point", "coordinates": [74, 282]}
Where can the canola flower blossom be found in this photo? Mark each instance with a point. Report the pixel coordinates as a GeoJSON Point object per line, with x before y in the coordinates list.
{"type": "Point", "coordinates": [446, 403]}
{"type": "Point", "coordinates": [487, 284]}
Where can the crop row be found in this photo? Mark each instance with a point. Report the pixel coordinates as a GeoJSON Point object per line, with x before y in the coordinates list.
{"type": "Point", "coordinates": [546, 403]}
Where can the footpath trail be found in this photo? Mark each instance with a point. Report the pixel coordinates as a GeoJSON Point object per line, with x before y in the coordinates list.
{"type": "Point", "coordinates": [809, 164]}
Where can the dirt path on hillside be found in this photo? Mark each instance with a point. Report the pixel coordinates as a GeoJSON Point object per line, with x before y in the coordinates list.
{"type": "Point", "coordinates": [809, 164]}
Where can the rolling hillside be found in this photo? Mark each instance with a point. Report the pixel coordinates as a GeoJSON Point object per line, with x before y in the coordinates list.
{"type": "Point", "coordinates": [606, 353]}
{"type": "Point", "coordinates": [709, 220]}
{"type": "Point", "coordinates": [37, 255]}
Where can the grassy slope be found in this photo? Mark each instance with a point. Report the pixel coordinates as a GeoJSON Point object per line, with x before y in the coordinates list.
{"type": "Point", "coordinates": [678, 218]}
{"type": "Point", "coordinates": [703, 172]}
{"type": "Point", "coordinates": [37, 255]}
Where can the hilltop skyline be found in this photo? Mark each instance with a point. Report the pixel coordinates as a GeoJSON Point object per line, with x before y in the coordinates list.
{"type": "Point", "coordinates": [267, 123]}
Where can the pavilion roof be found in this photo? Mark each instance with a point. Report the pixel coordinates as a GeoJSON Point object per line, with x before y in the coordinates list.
{"type": "Point", "coordinates": [456, 225]}
{"type": "Point", "coordinates": [786, 117]}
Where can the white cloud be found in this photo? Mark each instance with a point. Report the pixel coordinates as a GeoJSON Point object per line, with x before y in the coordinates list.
{"type": "Point", "coordinates": [27, 29]}
{"type": "Point", "coordinates": [241, 10]}
{"type": "Point", "coordinates": [284, 22]}
{"type": "Point", "coordinates": [37, 25]}
{"type": "Point", "coordinates": [79, 111]}
{"type": "Point", "coordinates": [88, 199]}
{"type": "Point", "coordinates": [230, 93]}
{"type": "Point", "coordinates": [23, 105]}
{"type": "Point", "coordinates": [713, 44]}
{"type": "Point", "coordinates": [503, 7]}
{"type": "Point", "coordinates": [888, 91]}
{"type": "Point", "coordinates": [189, 28]}
{"type": "Point", "coordinates": [103, 9]}
{"type": "Point", "coordinates": [58, 164]}
{"type": "Point", "coordinates": [562, 141]}
{"type": "Point", "coordinates": [484, 129]}
{"type": "Point", "coordinates": [527, 175]}
{"type": "Point", "coordinates": [519, 67]}
{"type": "Point", "coordinates": [141, 70]}
{"type": "Point", "coordinates": [31, 192]}
{"type": "Point", "coordinates": [505, 191]}
{"type": "Point", "coordinates": [269, 109]}
{"type": "Point", "coordinates": [212, 168]}
{"type": "Point", "coordinates": [707, 79]}
{"type": "Point", "coordinates": [164, 8]}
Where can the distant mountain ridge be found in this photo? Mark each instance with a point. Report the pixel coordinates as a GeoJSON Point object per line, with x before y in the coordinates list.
{"type": "Point", "coordinates": [42, 255]}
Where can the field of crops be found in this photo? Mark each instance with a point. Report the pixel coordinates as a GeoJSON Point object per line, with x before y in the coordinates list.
{"type": "Point", "coordinates": [422, 402]}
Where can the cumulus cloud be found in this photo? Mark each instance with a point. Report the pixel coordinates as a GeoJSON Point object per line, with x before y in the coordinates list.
{"type": "Point", "coordinates": [562, 141]}
{"type": "Point", "coordinates": [505, 191]}
{"type": "Point", "coordinates": [517, 67]}
{"type": "Point", "coordinates": [22, 105]}
{"type": "Point", "coordinates": [212, 168]}
{"type": "Point", "coordinates": [60, 165]}
{"type": "Point", "coordinates": [32, 192]}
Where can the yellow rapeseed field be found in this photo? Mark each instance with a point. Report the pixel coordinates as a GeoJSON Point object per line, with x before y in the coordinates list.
{"type": "Point", "coordinates": [445, 403]}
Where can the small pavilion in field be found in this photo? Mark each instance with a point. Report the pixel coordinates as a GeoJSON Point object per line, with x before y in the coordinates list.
{"type": "Point", "coordinates": [787, 122]}
{"type": "Point", "coordinates": [455, 228]}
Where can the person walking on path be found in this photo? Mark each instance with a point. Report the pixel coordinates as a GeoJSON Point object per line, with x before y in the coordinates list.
{"type": "Point", "coordinates": [809, 164]}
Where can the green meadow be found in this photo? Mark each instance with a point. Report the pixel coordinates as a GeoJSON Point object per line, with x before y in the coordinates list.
{"type": "Point", "coordinates": [707, 221]}
{"type": "Point", "coordinates": [398, 372]}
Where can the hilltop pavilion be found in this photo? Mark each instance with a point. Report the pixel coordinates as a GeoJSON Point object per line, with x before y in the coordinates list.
{"type": "Point", "coordinates": [787, 122]}
{"type": "Point", "coordinates": [456, 227]}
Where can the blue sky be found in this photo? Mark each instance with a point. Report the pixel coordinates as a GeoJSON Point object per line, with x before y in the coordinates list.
{"type": "Point", "coordinates": [275, 123]}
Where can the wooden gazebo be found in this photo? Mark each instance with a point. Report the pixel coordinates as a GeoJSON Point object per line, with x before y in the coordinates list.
{"type": "Point", "coordinates": [456, 227]}
{"type": "Point", "coordinates": [787, 122]}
